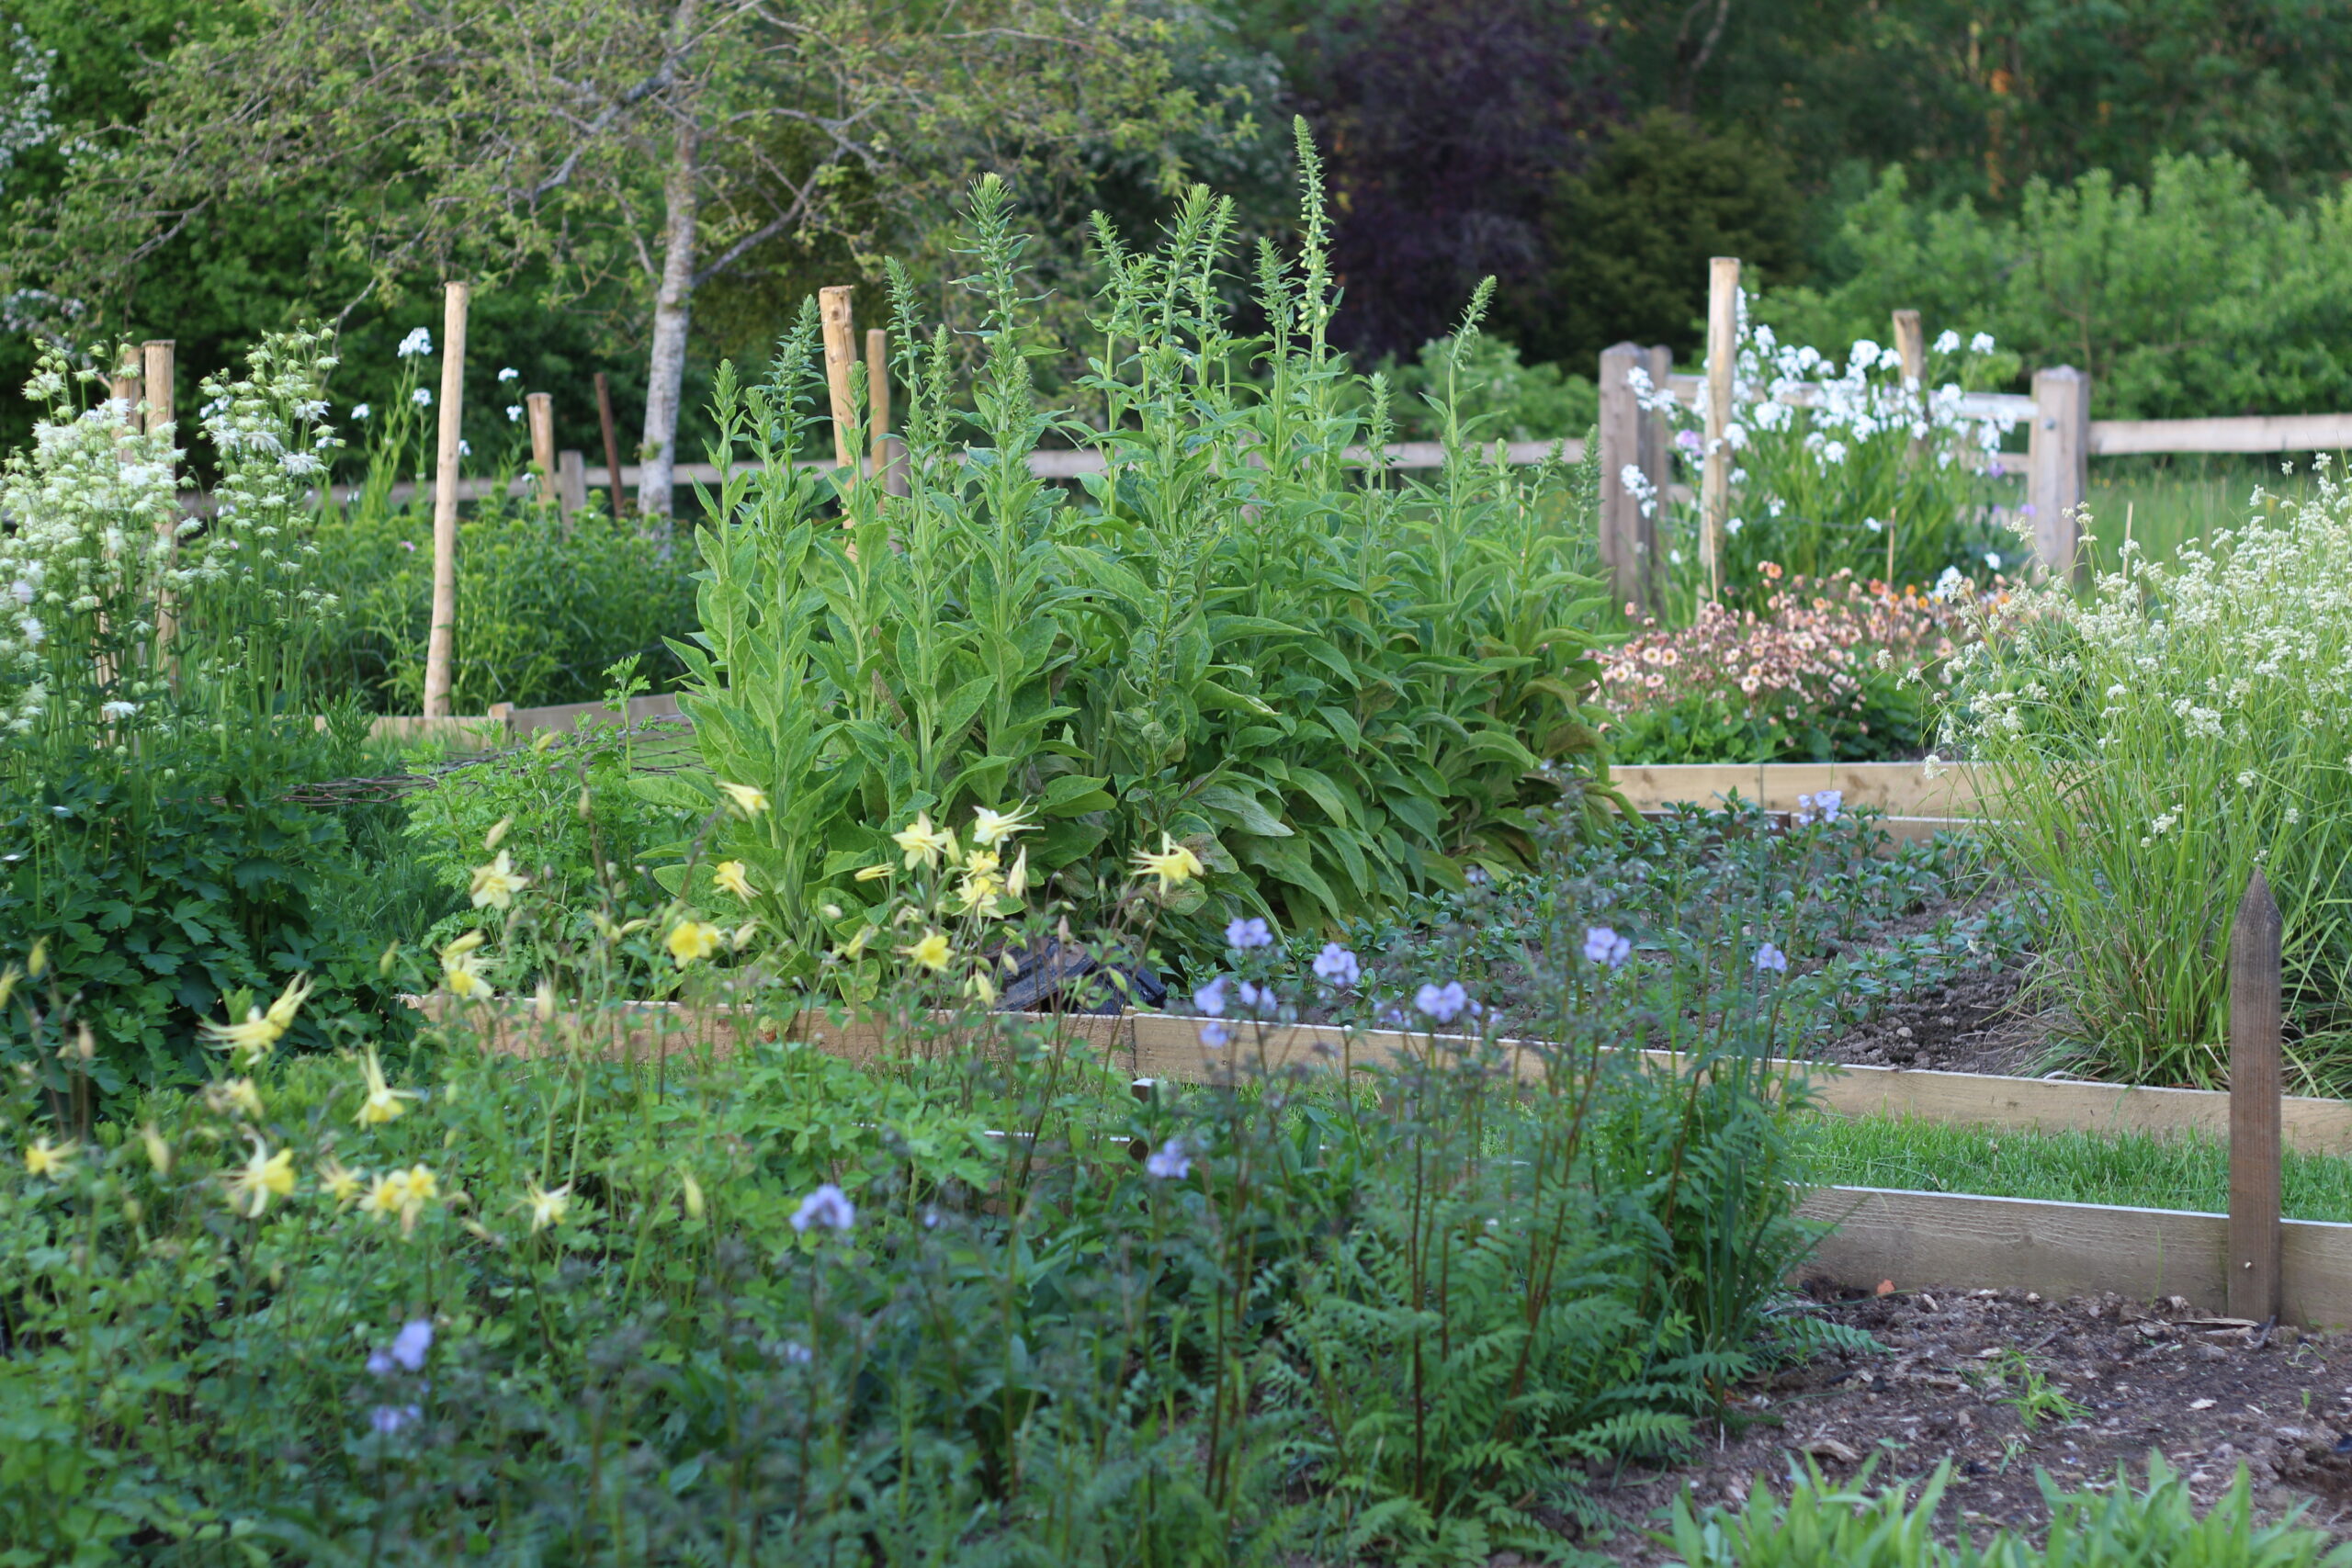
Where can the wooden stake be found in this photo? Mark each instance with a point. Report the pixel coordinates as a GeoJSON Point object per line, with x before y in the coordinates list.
{"type": "Point", "coordinates": [611, 446]}
{"type": "Point", "coordinates": [1723, 350]}
{"type": "Point", "coordinates": [2058, 464]}
{"type": "Point", "coordinates": [157, 367]}
{"type": "Point", "coordinates": [540, 409]}
{"type": "Point", "coordinates": [2255, 1255]}
{"type": "Point", "coordinates": [877, 395]}
{"type": "Point", "coordinates": [1911, 345]}
{"type": "Point", "coordinates": [841, 339]}
{"type": "Point", "coordinates": [441, 638]}
{"type": "Point", "coordinates": [1621, 507]}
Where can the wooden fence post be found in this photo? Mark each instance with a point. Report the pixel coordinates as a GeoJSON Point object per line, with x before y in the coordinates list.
{"type": "Point", "coordinates": [612, 446]}
{"type": "Point", "coordinates": [570, 483]}
{"type": "Point", "coordinates": [841, 338]}
{"type": "Point", "coordinates": [878, 408]}
{"type": "Point", "coordinates": [1626, 536]}
{"type": "Point", "coordinates": [2256, 1237]}
{"type": "Point", "coordinates": [440, 640]}
{"type": "Point", "coordinates": [2058, 462]}
{"type": "Point", "coordinates": [540, 410]}
{"type": "Point", "coordinates": [1911, 348]}
{"type": "Point", "coordinates": [1723, 350]}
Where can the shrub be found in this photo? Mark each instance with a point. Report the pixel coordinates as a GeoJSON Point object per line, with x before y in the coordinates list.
{"type": "Point", "coordinates": [2150, 748]}
{"type": "Point", "coordinates": [2196, 296]}
{"type": "Point", "coordinates": [1332, 690]}
{"type": "Point", "coordinates": [1827, 671]}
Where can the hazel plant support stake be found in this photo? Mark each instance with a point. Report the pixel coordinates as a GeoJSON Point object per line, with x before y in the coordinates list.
{"type": "Point", "coordinates": [439, 641]}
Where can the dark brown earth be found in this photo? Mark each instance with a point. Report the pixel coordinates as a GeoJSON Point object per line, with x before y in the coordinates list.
{"type": "Point", "coordinates": [1981, 1022]}
{"type": "Point", "coordinates": [2209, 1393]}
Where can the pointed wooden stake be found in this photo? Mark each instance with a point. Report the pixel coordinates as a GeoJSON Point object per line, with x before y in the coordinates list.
{"type": "Point", "coordinates": [2254, 1081]}
{"type": "Point", "coordinates": [440, 642]}
{"type": "Point", "coordinates": [841, 352]}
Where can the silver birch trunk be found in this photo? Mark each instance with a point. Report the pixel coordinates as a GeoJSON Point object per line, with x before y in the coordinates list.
{"type": "Point", "coordinates": [666, 369]}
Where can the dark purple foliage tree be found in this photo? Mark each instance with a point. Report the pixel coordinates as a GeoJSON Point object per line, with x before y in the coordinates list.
{"type": "Point", "coordinates": [1447, 125]}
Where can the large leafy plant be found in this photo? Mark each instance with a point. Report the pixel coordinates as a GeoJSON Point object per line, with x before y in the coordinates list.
{"type": "Point", "coordinates": [1332, 686]}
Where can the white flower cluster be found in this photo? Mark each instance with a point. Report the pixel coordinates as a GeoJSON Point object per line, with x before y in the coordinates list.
{"type": "Point", "coordinates": [84, 557]}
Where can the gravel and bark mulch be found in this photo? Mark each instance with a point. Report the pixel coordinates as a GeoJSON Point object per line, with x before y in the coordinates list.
{"type": "Point", "coordinates": [2208, 1392]}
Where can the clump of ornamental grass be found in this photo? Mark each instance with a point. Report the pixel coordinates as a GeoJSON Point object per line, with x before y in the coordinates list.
{"type": "Point", "coordinates": [1856, 466]}
{"type": "Point", "coordinates": [2148, 747]}
{"type": "Point", "coordinates": [1831, 669]}
{"type": "Point", "coordinates": [580, 1276]}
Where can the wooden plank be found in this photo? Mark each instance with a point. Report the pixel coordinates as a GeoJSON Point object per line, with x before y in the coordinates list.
{"type": "Point", "coordinates": [1898, 789]}
{"type": "Point", "coordinates": [2255, 433]}
{"type": "Point", "coordinates": [1922, 1239]}
{"type": "Point", "coordinates": [2255, 1078]}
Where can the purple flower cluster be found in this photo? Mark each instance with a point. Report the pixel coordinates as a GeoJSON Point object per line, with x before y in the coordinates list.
{"type": "Point", "coordinates": [1603, 945]}
{"type": "Point", "coordinates": [828, 1207]}
{"type": "Point", "coordinates": [1441, 1004]}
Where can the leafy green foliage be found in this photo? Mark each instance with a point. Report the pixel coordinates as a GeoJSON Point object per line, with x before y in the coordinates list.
{"type": "Point", "coordinates": [1494, 397]}
{"type": "Point", "coordinates": [177, 894]}
{"type": "Point", "coordinates": [1343, 689]}
{"type": "Point", "coordinates": [2129, 1525]}
{"type": "Point", "coordinates": [2196, 293]}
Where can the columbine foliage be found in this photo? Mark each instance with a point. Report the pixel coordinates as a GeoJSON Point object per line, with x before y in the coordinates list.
{"type": "Point", "coordinates": [2154, 744]}
{"type": "Point", "coordinates": [1334, 683]}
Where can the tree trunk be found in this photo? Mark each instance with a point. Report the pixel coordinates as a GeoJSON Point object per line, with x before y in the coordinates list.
{"type": "Point", "coordinates": [666, 369]}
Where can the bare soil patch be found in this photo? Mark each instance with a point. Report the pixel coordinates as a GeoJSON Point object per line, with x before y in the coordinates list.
{"type": "Point", "coordinates": [2209, 1393]}
{"type": "Point", "coordinates": [1980, 1022]}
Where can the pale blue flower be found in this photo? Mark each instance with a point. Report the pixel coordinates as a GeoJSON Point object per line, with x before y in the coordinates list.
{"type": "Point", "coordinates": [421, 397]}
{"type": "Point", "coordinates": [1772, 959]}
{"type": "Point", "coordinates": [1441, 1004]}
{"type": "Point", "coordinates": [1170, 1163]}
{"type": "Point", "coordinates": [510, 374]}
{"type": "Point", "coordinates": [1603, 945]}
{"type": "Point", "coordinates": [1258, 999]}
{"type": "Point", "coordinates": [1245, 934]}
{"type": "Point", "coordinates": [360, 411]}
{"type": "Point", "coordinates": [1336, 966]}
{"type": "Point", "coordinates": [411, 1342]}
{"type": "Point", "coordinates": [389, 1418]}
{"type": "Point", "coordinates": [828, 1206]}
{"type": "Point", "coordinates": [514, 412]}
{"type": "Point", "coordinates": [417, 343]}
{"type": "Point", "coordinates": [1216, 1035]}
{"type": "Point", "coordinates": [1210, 999]}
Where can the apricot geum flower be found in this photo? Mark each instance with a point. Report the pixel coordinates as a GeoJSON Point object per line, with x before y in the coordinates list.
{"type": "Point", "coordinates": [496, 883]}
{"type": "Point", "coordinates": [1174, 865]}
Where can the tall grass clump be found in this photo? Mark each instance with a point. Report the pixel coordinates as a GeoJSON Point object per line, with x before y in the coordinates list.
{"type": "Point", "coordinates": [2154, 743]}
{"type": "Point", "coordinates": [1331, 686]}
{"type": "Point", "coordinates": [580, 1280]}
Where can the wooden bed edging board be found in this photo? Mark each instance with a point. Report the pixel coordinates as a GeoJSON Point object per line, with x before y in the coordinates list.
{"type": "Point", "coordinates": [1168, 1045]}
{"type": "Point", "coordinates": [1913, 1239]}
{"type": "Point", "coordinates": [1899, 789]}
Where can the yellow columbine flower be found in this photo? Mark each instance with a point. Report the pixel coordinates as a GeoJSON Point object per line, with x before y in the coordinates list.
{"type": "Point", "coordinates": [857, 944]}
{"type": "Point", "coordinates": [740, 937]}
{"type": "Point", "coordinates": [496, 883]}
{"type": "Point", "coordinates": [546, 1208]}
{"type": "Point", "coordinates": [922, 843]}
{"type": "Point", "coordinates": [978, 893]}
{"type": "Point", "coordinates": [491, 840]}
{"type": "Point", "coordinates": [728, 875]}
{"type": "Point", "coordinates": [342, 1184]}
{"type": "Point", "coordinates": [382, 1104]}
{"type": "Point", "coordinates": [389, 1195]}
{"type": "Point", "coordinates": [461, 966]}
{"type": "Point", "coordinates": [932, 951]}
{"type": "Point", "coordinates": [240, 1096]}
{"type": "Point", "coordinates": [159, 1153]}
{"type": "Point", "coordinates": [1174, 865]}
{"type": "Point", "coordinates": [690, 940]}
{"type": "Point", "coordinates": [749, 799]}
{"type": "Point", "coordinates": [263, 1175]}
{"type": "Point", "coordinates": [45, 1158]}
{"type": "Point", "coordinates": [421, 1187]}
{"type": "Point", "coordinates": [873, 872]}
{"type": "Point", "coordinates": [261, 1031]}
{"type": "Point", "coordinates": [1017, 883]}
{"type": "Point", "coordinates": [990, 829]}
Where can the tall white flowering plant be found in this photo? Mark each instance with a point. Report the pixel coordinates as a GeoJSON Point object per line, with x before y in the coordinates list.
{"type": "Point", "coordinates": [2153, 744]}
{"type": "Point", "coordinates": [123, 615]}
{"type": "Point", "coordinates": [1852, 466]}
{"type": "Point", "coordinates": [86, 558]}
